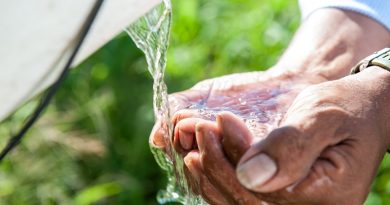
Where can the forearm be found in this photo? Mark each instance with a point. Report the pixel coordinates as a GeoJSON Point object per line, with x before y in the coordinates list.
{"type": "Point", "coordinates": [331, 41]}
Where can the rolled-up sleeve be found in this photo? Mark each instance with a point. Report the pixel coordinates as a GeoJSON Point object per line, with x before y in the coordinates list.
{"type": "Point", "coordinates": [378, 10]}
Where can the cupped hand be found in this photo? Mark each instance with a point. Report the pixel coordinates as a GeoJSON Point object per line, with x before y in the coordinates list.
{"type": "Point", "coordinates": [326, 149]}
{"type": "Point", "coordinates": [260, 98]}
{"type": "Point", "coordinates": [329, 145]}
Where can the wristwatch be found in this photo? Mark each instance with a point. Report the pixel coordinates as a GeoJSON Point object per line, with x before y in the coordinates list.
{"type": "Point", "coordinates": [380, 59]}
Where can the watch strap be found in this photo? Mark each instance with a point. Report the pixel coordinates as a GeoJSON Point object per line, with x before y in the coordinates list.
{"type": "Point", "coordinates": [380, 58]}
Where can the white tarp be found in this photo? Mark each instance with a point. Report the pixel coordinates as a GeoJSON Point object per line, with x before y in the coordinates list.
{"type": "Point", "coordinates": [35, 35]}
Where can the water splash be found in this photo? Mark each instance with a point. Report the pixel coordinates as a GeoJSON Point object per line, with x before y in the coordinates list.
{"type": "Point", "coordinates": [257, 107]}
{"type": "Point", "coordinates": [151, 35]}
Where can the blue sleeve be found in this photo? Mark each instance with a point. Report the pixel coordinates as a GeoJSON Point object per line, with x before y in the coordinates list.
{"type": "Point", "coordinates": [378, 10]}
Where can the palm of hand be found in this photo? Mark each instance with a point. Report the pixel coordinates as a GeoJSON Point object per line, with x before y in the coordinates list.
{"type": "Point", "coordinates": [260, 98]}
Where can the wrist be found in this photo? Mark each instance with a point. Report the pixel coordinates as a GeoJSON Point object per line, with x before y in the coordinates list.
{"type": "Point", "coordinates": [377, 80]}
{"type": "Point", "coordinates": [331, 41]}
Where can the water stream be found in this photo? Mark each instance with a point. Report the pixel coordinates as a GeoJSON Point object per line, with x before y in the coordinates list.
{"type": "Point", "coordinates": [257, 105]}
{"type": "Point", "coordinates": [151, 35]}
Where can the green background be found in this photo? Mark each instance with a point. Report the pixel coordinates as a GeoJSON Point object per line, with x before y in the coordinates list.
{"type": "Point", "coordinates": [91, 146]}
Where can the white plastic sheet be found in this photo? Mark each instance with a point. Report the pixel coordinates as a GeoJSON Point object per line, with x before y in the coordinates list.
{"type": "Point", "coordinates": [35, 37]}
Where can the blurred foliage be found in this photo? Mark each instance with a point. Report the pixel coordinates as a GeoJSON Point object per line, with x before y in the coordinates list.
{"type": "Point", "coordinates": [91, 146]}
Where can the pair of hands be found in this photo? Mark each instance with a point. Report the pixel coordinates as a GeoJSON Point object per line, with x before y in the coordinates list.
{"type": "Point", "coordinates": [309, 143]}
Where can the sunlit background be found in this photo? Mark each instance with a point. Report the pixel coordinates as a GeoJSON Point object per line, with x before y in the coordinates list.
{"type": "Point", "coordinates": [91, 146]}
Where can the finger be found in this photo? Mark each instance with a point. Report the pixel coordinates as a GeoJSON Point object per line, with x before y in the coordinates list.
{"type": "Point", "coordinates": [184, 135]}
{"type": "Point", "coordinates": [217, 168]}
{"type": "Point", "coordinates": [327, 176]}
{"type": "Point", "coordinates": [288, 153]}
{"type": "Point", "coordinates": [199, 183]}
{"type": "Point", "coordinates": [192, 170]}
{"type": "Point", "coordinates": [157, 136]}
{"type": "Point", "coordinates": [184, 114]}
{"type": "Point", "coordinates": [236, 138]}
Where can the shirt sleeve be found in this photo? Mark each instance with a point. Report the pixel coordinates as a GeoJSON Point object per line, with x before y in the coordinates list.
{"type": "Point", "coordinates": [378, 10]}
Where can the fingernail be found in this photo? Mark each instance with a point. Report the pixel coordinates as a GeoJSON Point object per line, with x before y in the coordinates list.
{"type": "Point", "coordinates": [256, 171]}
{"type": "Point", "coordinates": [186, 140]}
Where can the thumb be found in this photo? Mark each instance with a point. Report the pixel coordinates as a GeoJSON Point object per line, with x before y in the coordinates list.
{"type": "Point", "coordinates": [276, 162]}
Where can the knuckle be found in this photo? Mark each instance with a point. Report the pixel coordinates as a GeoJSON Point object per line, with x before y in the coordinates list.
{"type": "Point", "coordinates": [184, 114]}
{"type": "Point", "coordinates": [177, 117]}
{"type": "Point", "coordinates": [328, 111]}
{"type": "Point", "coordinates": [290, 141]}
{"type": "Point", "coordinates": [312, 90]}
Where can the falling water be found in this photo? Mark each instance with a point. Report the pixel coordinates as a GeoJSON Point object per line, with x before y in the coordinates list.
{"type": "Point", "coordinates": [257, 107]}
{"type": "Point", "coordinates": [151, 35]}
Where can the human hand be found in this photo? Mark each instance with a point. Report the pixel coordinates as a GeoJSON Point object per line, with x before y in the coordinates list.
{"type": "Point", "coordinates": [328, 146]}
{"type": "Point", "coordinates": [259, 97]}
{"type": "Point", "coordinates": [326, 150]}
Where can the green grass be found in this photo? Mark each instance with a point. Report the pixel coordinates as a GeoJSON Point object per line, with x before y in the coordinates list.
{"type": "Point", "coordinates": [91, 147]}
